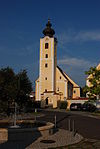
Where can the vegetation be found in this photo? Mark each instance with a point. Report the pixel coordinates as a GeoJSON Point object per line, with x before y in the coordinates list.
{"type": "Point", "coordinates": [63, 105]}
{"type": "Point", "coordinates": [13, 88]}
{"type": "Point", "coordinates": [94, 78]}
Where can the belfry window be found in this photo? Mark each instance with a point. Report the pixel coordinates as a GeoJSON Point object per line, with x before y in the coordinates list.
{"type": "Point", "coordinates": [46, 45]}
{"type": "Point", "coordinates": [46, 56]}
{"type": "Point", "coordinates": [46, 65]}
{"type": "Point", "coordinates": [45, 90]}
{"type": "Point", "coordinates": [45, 78]}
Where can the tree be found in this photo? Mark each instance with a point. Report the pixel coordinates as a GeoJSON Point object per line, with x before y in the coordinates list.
{"type": "Point", "coordinates": [13, 87]}
{"type": "Point", "coordinates": [8, 88]}
{"type": "Point", "coordinates": [93, 88]}
{"type": "Point", "coordinates": [24, 87]}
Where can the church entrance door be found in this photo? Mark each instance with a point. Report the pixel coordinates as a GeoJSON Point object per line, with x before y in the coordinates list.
{"type": "Point", "coordinates": [47, 101]}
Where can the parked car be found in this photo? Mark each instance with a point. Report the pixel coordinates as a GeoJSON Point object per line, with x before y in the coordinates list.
{"type": "Point", "coordinates": [88, 107]}
{"type": "Point", "coordinates": [76, 107]}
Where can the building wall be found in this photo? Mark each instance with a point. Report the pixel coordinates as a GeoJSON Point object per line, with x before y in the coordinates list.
{"type": "Point", "coordinates": [70, 90]}
{"type": "Point", "coordinates": [76, 88]}
{"type": "Point", "coordinates": [76, 92]}
{"type": "Point", "coordinates": [64, 87]}
{"type": "Point", "coordinates": [61, 85]}
{"type": "Point", "coordinates": [75, 101]}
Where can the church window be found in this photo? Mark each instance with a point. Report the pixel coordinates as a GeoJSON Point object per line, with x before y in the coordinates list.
{"type": "Point", "coordinates": [60, 77]}
{"type": "Point", "coordinates": [58, 89]}
{"type": "Point", "coordinates": [46, 45]}
{"type": "Point", "coordinates": [74, 91]}
{"type": "Point", "coordinates": [45, 90]}
{"type": "Point", "coordinates": [46, 65]}
{"type": "Point", "coordinates": [46, 56]}
{"type": "Point", "coordinates": [45, 78]}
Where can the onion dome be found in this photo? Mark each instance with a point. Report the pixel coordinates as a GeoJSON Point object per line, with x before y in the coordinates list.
{"type": "Point", "coordinates": [48, 31]}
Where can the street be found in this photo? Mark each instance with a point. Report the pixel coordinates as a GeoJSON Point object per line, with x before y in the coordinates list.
{"type": "Point", "coordinates": [88, 127]}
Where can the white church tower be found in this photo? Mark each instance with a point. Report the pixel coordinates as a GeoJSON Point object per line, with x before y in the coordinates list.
{"type": "Point", "coordinates": [48, 61]}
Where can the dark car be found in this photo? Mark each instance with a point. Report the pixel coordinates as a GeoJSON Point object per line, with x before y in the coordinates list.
{"type": "Point", "coordinates": [76, 107]}
{"type": "Point", "coordinates": [88, 107]}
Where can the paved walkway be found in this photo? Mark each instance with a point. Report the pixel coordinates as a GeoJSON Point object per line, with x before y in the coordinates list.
{"type": "Point", "coordinates": [61, 138]}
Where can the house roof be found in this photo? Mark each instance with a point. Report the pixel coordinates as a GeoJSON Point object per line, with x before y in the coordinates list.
{"type": "Point", "coordinates": [67, 77]}
{"type": "Point", "coordinates": [62, 72]}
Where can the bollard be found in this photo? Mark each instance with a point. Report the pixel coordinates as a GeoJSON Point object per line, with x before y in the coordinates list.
{"type": "Point", "coordinates": [35, 110]}
{"type": "Point", "coordinates": [55, 120]}
{"type": "Point", "coordinates": [35, 113]}
{"type": "Point", "coordinates": [69, 125]}
{"type": "Point", "coordinates": [73, 126]}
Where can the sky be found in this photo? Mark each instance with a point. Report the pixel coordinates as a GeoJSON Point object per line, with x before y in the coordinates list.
{"type": "Point", "coordinates": [77, 29]}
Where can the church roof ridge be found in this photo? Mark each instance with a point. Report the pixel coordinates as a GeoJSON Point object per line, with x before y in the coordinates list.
{"type": "Point", "coordinates": [62, 72]}
{"type": "Point", "coordinates": [67, 77]}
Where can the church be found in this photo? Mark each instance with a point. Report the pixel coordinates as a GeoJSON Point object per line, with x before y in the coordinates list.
{"type": "Point", "coordinates": [53, 83]}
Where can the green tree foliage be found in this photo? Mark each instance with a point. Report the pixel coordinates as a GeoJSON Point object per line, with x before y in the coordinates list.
{"type": "Point", "coordinates": [24, 87]}
{"type": "Point", "coordinates": [94, 79]}
{"type": "Point", "coordinates": [13, 87]}
{"type": "Point", "coordinates": [8, 86]}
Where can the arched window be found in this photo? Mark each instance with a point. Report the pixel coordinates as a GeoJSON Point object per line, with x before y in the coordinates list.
{"type": "Point", "coordinates": [74, 91]}
{"type": "Point", "coordinates": [46, 65]}
{"type": "Point", "coordinates": [45, 90]}
{"type": "Point", "coordinates": [46, 45]}
{"type": "Point", "coordinates": [46, 56]}
{"type": "Point", "coordinates": [45, 78]}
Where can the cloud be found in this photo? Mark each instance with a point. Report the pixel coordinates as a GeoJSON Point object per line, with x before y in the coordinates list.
{"type": "Point", "coordinates": [75, 68]}
{"type": "Point", "coordinates": [76, 62]}
{"type": "Point", "coordinates": [88, 36]}
{"type": "Point", "coordinates": [71, 36]}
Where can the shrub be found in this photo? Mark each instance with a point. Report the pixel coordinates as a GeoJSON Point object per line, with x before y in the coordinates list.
{"type": "Point", "coordinates": [37, 104]}
{"type": "Point", "coordinates": [63, 105]}
{"type": "Point", "coordinates": [3, 107]}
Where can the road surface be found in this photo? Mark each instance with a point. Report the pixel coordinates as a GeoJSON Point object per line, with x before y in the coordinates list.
{"type": "Point", "coordinates": [88, 127]}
